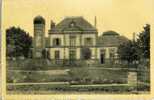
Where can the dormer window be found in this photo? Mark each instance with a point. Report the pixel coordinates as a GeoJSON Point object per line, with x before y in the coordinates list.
{"type": "Point", "coordinates": [72, 24]}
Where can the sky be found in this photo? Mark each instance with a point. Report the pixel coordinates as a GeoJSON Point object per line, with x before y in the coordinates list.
{"type": "Point", "coordinates": [122, 16]}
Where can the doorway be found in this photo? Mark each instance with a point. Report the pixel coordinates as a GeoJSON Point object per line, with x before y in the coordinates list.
{"type": "Point", "coordinates": [72, 56]}
{"type": "Point", "coordinates": [102, 59]}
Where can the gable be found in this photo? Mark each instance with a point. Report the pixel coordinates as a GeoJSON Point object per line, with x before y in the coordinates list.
{"type": "Point", "coordinates": [74, 24]}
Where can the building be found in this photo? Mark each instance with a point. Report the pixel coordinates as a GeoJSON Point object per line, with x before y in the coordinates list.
{"type": "Point", "coordinates": [107, 45]}
{"type": "Point", "coordinates": [74, 40]}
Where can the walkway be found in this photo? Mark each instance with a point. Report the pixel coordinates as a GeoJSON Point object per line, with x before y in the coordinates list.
{"type": "Point", "coordinates": [43, 83]}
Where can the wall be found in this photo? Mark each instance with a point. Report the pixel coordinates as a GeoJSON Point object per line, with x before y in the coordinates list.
{"type": "Point", "coordinates": [52, 52]}
{"type": "Point", "coordinates": [107, 52]}
{"type": "Point", "coordinates": [93, 36]}
{"type": "Point", "coordinates": [65, 44]}
{"type": "Point", "coordinates": [51, 37]}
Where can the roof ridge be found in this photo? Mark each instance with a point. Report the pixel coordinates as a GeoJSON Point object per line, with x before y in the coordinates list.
{"type": "Point", "coordinates": [73, 17]}
{"type": "Point", "coordinates": [80, 23]}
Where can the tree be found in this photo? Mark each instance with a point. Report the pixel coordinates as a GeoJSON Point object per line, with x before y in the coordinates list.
{"type": "Point", "coordinates": [135, 50]}
{"type": "Point", "coordinates": [144, 41]}
{"type": "Point", "coordinates": [18, 42]}
{"type": "Point", "coordinates": [129, 51]}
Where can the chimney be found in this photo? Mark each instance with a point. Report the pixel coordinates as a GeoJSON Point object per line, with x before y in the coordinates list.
{"type": "Point", "coordinates": [95, 22]}
{"type": "Point", "coordinates": [134, 36]}
{"type": "Point", "coordinates": [52, 24]}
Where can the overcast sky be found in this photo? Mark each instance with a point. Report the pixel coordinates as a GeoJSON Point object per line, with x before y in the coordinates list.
{"type": "Point", "coordinates": [122, 16]}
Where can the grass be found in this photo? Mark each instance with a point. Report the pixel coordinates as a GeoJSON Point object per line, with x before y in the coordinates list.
{"type": "Point", "coordinates": [105, 78]}
{"type": "Point", "coordinates": [73, 75]}
{"type": "Point", "coordinates": [98, 76]}
{"type": "Point", "coordinates": [23, 76]}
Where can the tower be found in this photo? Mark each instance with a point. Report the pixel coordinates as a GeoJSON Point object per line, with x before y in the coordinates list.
{"type": "Point", "coordinates": [39, 36]}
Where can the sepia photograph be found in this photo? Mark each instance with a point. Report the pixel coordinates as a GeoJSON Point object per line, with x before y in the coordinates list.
{"type": "Point", "coordinates": [77, 46]}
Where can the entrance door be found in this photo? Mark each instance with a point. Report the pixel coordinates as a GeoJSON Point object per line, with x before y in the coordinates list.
{"type": "Point", "coordinates": [72, 54]}
{"type": "Point", "coordinates": [102, 59]}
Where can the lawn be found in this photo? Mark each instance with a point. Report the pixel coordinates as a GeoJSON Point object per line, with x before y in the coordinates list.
{"type": "Point", "coordinates": [73, 75]}
{"type": "Point", "coordinates": [109, 79]}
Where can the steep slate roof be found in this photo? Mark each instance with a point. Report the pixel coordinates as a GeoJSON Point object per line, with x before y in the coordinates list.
{"type": "Point", "coordinates": [111, 39]}
{"type": "Point", "coordinates": [79, 24]}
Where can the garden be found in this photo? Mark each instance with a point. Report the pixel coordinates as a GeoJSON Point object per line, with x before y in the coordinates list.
{"type": "Point", "coordinates": [63, 79]}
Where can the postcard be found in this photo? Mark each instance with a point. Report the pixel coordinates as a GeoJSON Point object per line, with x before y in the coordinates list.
{"type": "Point", "coordinates": [77, 50]}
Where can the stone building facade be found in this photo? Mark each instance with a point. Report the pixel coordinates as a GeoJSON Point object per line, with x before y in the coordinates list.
{"type": "Point", "coordinates": [74, 40]}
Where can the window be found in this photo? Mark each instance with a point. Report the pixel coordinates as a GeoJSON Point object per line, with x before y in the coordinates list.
{"type": "Point", "coordinates": [56, 42]}
{"type": "Point", "coordinates": [57, 54]}
{"type": "Point", "coordinates": [88, 42]}
{"type": "Point", "coordinates": [72, 40]}
{"type": "Point", "coordinates": [72, 24]}
{"type": "Point", "coordinates": [72, 54]}
{"type": "Point", "coordinates": [103, 51]}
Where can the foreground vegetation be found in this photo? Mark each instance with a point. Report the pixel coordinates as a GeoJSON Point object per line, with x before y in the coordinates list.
{"type": "Point", "coordinates": [80, 75]}
{"type": "Point", "coordinates": [100, 79]}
